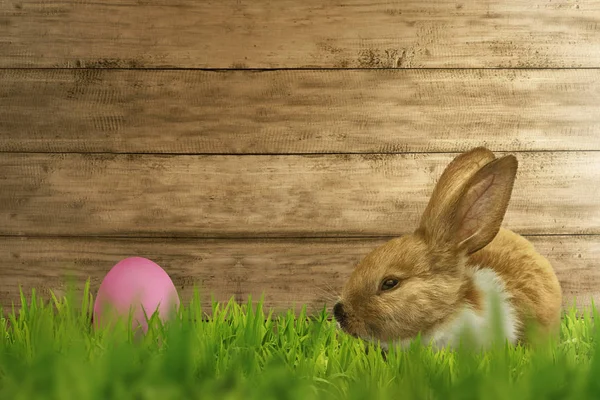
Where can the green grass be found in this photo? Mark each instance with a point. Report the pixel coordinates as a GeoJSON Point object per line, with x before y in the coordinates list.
{"type": "Point", "coordinates": [50, 351]}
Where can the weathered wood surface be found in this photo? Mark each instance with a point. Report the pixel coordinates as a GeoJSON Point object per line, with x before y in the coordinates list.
{"type": "Point", "coordinates": [298, 111]}
{"type": "Point", "coordinates": [290, 273]}
{"type": "Point", "coordinates": [291, 33]}
{"type": "Point", "coordinates": [273, 196]}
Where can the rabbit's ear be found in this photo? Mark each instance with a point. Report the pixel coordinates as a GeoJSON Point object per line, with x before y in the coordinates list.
{"type": "Point", "coordinates": [447, 191]}
{"type": "Point", "coordinates": [483, 203]}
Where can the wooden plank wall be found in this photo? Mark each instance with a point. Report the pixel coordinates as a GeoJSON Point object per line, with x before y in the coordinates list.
{"type": "Point", "coordinates": [257, 146]}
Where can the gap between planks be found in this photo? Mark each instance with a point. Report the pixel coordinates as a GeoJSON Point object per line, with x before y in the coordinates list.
{"type": "Point", "coordinates": [366, 153]}
{"type": "Point", "coordinates": [307, 69]}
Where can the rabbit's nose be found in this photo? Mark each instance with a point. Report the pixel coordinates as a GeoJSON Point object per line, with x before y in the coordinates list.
{"type": "Point", "coordinates": [339, 313]}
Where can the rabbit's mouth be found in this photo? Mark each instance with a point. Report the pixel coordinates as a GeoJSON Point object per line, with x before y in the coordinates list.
{"type": "Point", "coordinates": [345, 327]}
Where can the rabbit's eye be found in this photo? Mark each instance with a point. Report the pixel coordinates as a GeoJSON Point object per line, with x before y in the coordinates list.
{"type": "Point", "coordinates": [389, 283]}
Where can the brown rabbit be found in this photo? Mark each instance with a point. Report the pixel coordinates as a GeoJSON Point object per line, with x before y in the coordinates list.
{"type": "Point", "coordinates": [441, 279]}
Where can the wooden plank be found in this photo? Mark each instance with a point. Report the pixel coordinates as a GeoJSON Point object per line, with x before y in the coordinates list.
{"type": "Point", "coordinates": [272, 196]}
{"type": "Point", "coordinates": [298, 111]}
{"type": "Point", "coordinates": [290, 273]}
{"type": "Point", "coordinates": [308, 33]}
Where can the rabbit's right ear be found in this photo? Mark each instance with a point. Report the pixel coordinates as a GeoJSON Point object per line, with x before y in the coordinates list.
{"type": "Point", "coordinates": [448, 190]}
{"type": "Point", "coordinates": [472, 218]}
{"type": "Point", "coordinates": [484, 201]}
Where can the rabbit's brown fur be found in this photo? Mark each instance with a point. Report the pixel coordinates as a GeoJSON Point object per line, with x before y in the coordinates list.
{"type": "Point", "coordinates": [448, 269]}
{"type": "Point", "coordinates": [535, 289]}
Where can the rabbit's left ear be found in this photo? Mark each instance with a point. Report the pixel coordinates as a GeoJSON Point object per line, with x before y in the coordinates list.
{"type": "Point", "coordinates": [483, 203]}
{"type": "Point", "coordinates": [452, 182]}
{"type": "Point", "coordinates": [436, 223]}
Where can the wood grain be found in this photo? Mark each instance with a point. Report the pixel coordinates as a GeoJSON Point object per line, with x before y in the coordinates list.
{"type": "Point", "coordinates": [273, 196]}
{"type": "Point", "coordinates": [290, 273]}
{"type": "Point", "coordinates": [308, 33]}
{"type": "Point", "coordinates": [298, 111]}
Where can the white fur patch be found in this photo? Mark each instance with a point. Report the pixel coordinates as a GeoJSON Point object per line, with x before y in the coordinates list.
{"type": "Point", "coordinates": [480, 324]}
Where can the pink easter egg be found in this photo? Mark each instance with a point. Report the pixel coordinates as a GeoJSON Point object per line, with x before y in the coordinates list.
{"type": "Point", "coordinates": [135, 285]}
